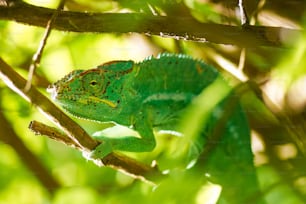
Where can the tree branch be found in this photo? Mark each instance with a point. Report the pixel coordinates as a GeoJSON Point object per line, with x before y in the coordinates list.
{"type": "Point", "coordinates": [166, 26]}
{"type": "Point", "coordinates": [76, 134]}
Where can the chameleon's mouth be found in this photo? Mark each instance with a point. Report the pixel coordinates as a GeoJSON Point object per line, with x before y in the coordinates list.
{"type": "Point", "coordinates": [57, 94]}
{"type": "Point", "coordinates": [53, 91]}
{"type": "Point", "coordinates": [55, 88]}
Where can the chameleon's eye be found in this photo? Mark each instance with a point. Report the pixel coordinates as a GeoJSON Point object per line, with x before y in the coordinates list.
{"type": "Point", "coordinates": [93, 82]}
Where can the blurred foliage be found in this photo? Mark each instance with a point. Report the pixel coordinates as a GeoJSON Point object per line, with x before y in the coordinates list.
{"type": "Point", "coordinates": [277, 121]}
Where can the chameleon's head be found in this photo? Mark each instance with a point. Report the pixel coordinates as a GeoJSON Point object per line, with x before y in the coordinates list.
{"type": "Point", "coordinates": [84, 94]}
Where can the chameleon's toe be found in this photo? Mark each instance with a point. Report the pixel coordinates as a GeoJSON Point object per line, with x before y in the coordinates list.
{"type": "Point", "coordinates": [101, 150]}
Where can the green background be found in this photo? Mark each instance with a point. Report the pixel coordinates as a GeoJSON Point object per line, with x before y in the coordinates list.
{"type": "Point", "coordinates": [277, 117]}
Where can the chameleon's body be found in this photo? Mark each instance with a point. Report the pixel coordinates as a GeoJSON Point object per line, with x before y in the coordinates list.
{"type": "Point", "coordinates": [154, 94]}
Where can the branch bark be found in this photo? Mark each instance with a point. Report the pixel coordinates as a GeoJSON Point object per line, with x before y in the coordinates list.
{"type": "Point", "coordinates": [76, 134]}
{"type": "Point", "coordinates": [166, 26]}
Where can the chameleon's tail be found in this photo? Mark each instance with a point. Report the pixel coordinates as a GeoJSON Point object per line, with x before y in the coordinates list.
{"type": "Point", "coordinates": [227, 157]}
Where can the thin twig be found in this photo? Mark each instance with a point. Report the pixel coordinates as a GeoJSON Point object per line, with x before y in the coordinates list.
{"type": "Point", "coordinates": [243, 14]}
{"type": "Point", "coordinates": [242, 59]}
{"type": "Point", "coordinates": [41, 129]}
{"type": "Point", "coordinates": [37, 56]}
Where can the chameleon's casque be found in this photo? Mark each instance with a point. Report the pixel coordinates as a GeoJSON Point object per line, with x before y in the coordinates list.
{"type": "Point", "coordinates": [153, 94]}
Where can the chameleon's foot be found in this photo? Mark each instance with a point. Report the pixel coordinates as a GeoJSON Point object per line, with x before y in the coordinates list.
{"type": "Point", "coordinates": [102, 150]}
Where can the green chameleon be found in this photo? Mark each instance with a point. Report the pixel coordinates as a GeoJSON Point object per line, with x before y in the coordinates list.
{"type": "Point", "coordinates": [154, 95]}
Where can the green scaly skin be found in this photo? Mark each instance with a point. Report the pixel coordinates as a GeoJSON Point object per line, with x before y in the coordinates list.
{"type": "Point", "coordinates": [154, 94]}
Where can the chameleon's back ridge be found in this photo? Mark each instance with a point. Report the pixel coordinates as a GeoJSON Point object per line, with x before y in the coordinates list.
{"type": "Point", "coordinates": [176, 73]}
{"type": "Point", "coordinates": [154, 94]}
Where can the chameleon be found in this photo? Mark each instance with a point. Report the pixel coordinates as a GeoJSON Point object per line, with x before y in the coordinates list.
{"type": "Point", "coordinates": [154, 95]}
